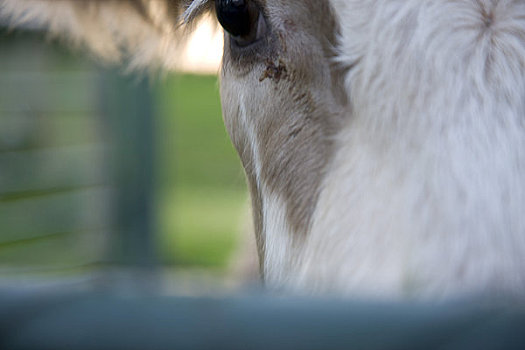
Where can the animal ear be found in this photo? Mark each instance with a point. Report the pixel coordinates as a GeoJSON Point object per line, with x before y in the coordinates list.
{"type": "Point", "coordinates": [141, 32]}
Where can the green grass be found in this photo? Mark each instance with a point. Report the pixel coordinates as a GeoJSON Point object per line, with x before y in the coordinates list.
{"type": "Point", "coordinates": [200, 227]}
{"type": "Point", "coordinates": [201, 188]}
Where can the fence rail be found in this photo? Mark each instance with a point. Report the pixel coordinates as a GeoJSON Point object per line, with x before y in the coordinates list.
{"type": "Point", "coordinates": [111, 322]}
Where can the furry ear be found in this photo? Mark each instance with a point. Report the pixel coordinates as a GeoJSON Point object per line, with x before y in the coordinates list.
{"type": "Point", "coordinates": [142, 32]}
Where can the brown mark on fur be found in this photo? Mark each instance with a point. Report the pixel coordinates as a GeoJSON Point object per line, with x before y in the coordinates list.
{"type": "Point", "coordinates": [274, 71]}
{"type": "Point", "coordinates": [296, 138]}
{"type": "Point", "coordinates": [292, 112]}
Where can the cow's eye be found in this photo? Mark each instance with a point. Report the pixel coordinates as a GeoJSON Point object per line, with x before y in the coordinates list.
{"type": "Point", "coordinates": [242, 19]}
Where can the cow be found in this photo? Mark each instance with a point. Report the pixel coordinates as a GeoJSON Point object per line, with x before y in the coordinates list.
{"type": "Point", "coordinates": [383, 141]}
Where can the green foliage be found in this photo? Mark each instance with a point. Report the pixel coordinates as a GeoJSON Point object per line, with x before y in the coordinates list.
{"type": "Point", "coordinates": [201, 185]}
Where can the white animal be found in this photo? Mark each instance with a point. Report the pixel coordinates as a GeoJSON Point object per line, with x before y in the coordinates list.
{"type": "Point", "coordinates": [383, 140]}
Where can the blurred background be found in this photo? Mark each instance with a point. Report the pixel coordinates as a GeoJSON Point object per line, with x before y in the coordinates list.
{"type": "Point", "coordinates": [110, 174]}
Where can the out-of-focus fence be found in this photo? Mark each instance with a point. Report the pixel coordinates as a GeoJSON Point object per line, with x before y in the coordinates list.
{"type": "Point", "coordinates": [76, 164]}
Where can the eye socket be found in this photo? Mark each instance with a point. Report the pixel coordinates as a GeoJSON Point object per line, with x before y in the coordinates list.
{"type": "Point", "coordinates": [242, 19]}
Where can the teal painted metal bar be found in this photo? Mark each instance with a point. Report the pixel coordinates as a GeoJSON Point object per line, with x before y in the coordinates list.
{"type": "Point", "coordinates": [109, 322]}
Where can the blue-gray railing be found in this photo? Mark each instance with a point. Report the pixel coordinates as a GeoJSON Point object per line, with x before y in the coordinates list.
{"type": "Point", "coordinates": [78, 322]}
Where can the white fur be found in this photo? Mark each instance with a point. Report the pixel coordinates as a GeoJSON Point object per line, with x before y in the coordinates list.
{"type": "Point", "coordinates": [279, 249]}
{"type": "Point", "coordinates": [426, 193]}
{"type": "Point", "coordinates": [248, 126]}
{"type": "Point", "coordinates": [278, 237]}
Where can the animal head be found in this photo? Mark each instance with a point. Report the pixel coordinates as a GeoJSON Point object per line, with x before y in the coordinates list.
{"type": "Point", "coordinates": [383, 141]}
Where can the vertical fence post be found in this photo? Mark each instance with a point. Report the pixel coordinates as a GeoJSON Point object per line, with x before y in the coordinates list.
{"type": "Point", "coordinates": [126, 102]}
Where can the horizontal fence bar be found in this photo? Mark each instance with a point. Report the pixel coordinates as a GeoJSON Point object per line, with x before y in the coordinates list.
{"type": "Point", "coordinates": [111, 322]}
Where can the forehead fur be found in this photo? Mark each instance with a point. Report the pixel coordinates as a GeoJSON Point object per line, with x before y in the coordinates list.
{"type": "Point", "coordinates": [143, 32]}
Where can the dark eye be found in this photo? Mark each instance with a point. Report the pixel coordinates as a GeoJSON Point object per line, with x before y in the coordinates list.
{"type": "Point", "coordinates": [242, 19]}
